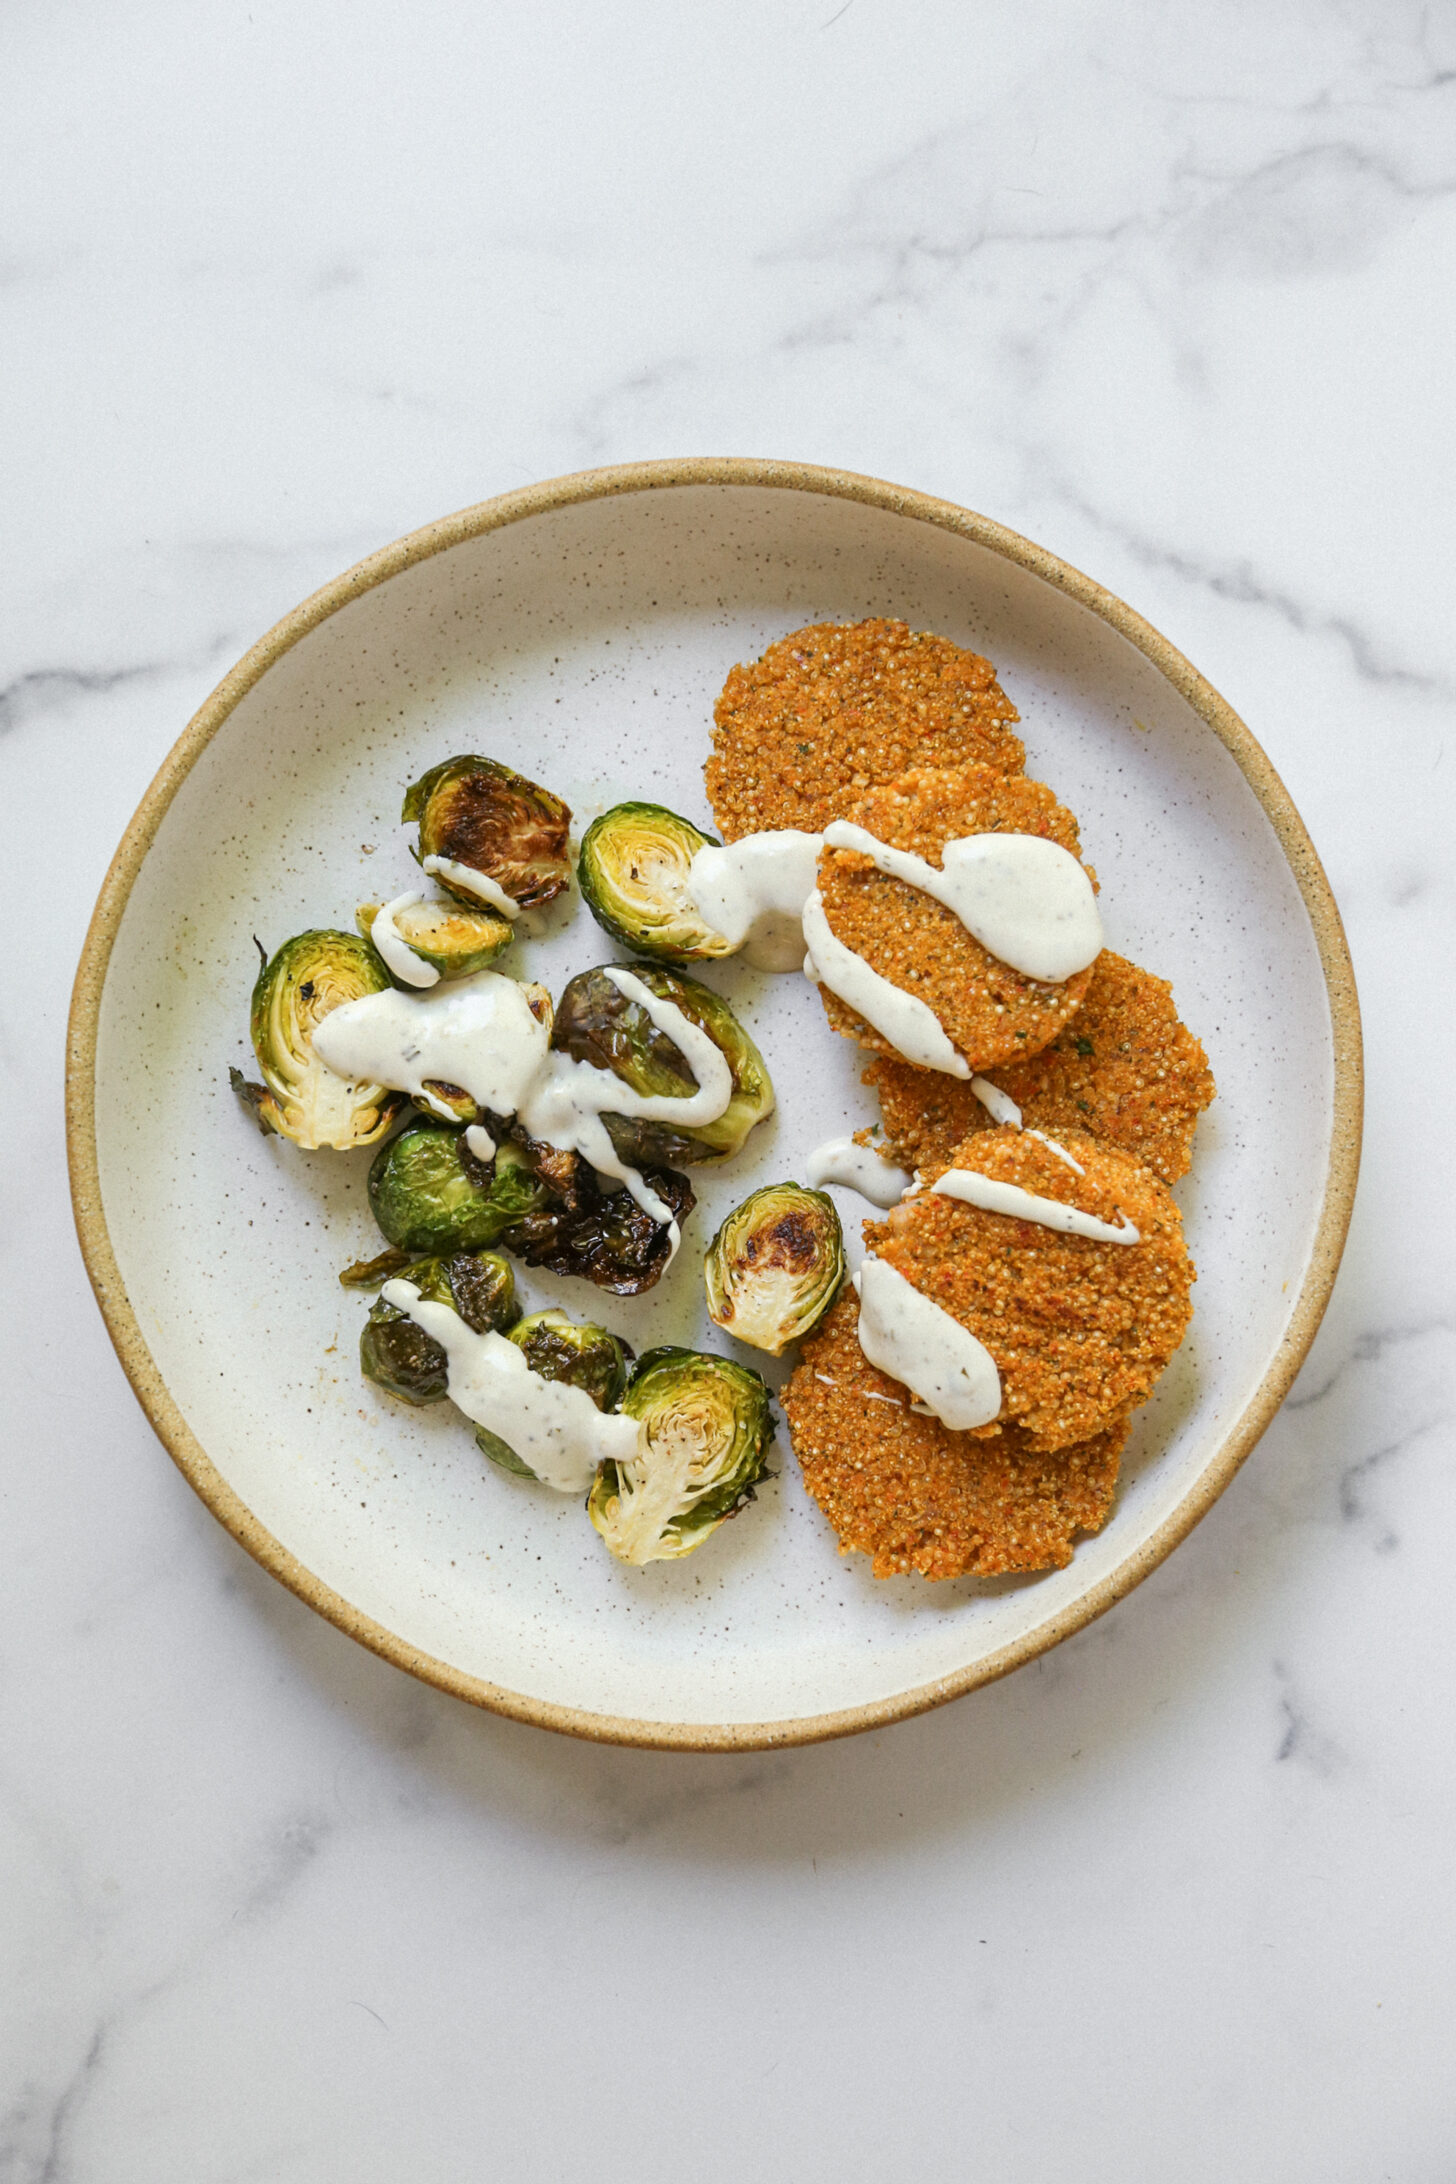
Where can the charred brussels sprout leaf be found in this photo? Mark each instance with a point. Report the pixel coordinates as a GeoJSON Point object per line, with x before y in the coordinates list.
{"type": "Point", "coordinates": [603, 1236]}
{"type": "Point", "coordinates": [476, 813]}
{"type": "Point", "coordinates": [454, 941]}
{"type": "Point", "coordinates": [430, 1193]}
{"type": "Point", "coordinates": [633, 872]}
{"type": "Point", "coordinates": [303, 982]}
{"type": "Point", "coordinates": [374, 1273]}
{"type": "Point", "coordinates": [775, 1266]}
{"type": "Point", "coordinates": [584, 1355]}
{"type": "Point", "coordinates": [705, 1432]}
{"type": "Point", "coordinates": [400, 1357]}
{"type": "Point", "coordinates": [596, 1022]}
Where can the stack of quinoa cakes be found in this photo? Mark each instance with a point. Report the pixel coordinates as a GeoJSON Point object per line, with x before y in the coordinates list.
{"type": "Point", "coordinates": [1083, 1092]}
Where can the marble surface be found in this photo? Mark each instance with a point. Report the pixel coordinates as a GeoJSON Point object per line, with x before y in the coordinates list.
{"type": "Point", "coordinates": [1169, 290]}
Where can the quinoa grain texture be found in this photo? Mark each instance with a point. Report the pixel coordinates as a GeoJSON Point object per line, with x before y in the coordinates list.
{"type": "Point", "coordinates": [1124, 1070]}
{"type": "Point", "coordinates": [830, 709]}
{"type": "Point", "coordinates": [917, 1498]}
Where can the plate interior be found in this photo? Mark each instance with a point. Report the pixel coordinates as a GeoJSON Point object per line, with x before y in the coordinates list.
{"type": "Point", "coordinates": [585, 646]}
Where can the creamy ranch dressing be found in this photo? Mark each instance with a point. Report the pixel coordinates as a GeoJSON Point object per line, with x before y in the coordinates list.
{"type": "Point", "coordinates": [753, 892]}
{"type": "Point", "coordinates": [395, 951]}
{"type": "Point", "coordinates": [909, 1337]}
{"type": "Point", "coordinates": [910, 1024]}
{"type": "Point", "coordinates": [479, 884]}
{"type": "Point", "coordinates": [480, 1142]}
{"type": "Point", "coordinates": [1060, 1150]}
{"type": "Point", "coordinates": [476, 1032]}
{"type": "Point", "coordinates": [565, 1103]}
{"type": "Point", "coordinates": [999, 1105]}
{"type": "Point", "coordinates": [840, 1160]}
{"type": "Point", "coordinates": [1024, 898]}
{"type": "Point", "coordinates": [480, 1033]}
{"type": "Point", "coordinates": [554, 1428]}
{"type": "Point", "coordinates": [996, 1197]}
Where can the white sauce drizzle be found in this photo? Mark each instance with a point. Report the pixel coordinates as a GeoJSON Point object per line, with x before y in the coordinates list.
{"type": "Point", "coordinates": [996, 1197]}
{"type": "Point", "coordinates": [858, 1168]}
{"type": "Point", "coordinates": [475, 883]}
{"type": "Point", "coordinates": [1003, 1109]}
{"type": "Point", "coordinates": [1024, 898]}
{"type": "Point", "coordinates": [481, 1143]}
{"type": "Point", "coordinates": [909, 1337]}
{"type": "Point", "coordinates": [476, 1032]}
{"type": "Point", "coordinates": [753, 892]}
{"type": "Point", "coordinates": [999, 1105]}
{"type": "Point", "coordinates": [1060, 1150]}
{"type": "Point", "coordinates": [480, 1033]}
{"type": "Point", "coordinates": [565, 1103]}
{"type": "Point", "coordinates": [554, 1428]}
{"type": "Point", "coordinates": [910, 1024]}
{"type": "Point", "coordinates": [390, 943]}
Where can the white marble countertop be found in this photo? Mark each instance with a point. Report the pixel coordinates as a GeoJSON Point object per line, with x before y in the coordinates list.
{"type": "Point", "coordinates": [1169, 290]}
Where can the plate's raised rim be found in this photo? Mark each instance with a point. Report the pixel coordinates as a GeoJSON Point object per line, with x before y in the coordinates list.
{"type": "Point", "coordinates": [491, 515]}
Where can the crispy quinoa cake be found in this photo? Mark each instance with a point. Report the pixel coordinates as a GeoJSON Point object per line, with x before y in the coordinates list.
{"type": "Point", "coordinates": [1124, 1069]}
{"type": "Point", "coordinates": [828, 710]}
{"type": "Point", "coordinates": [991, 1013]}
{"type": "Point", "coordinates": [1080, 1329]}
{"type": "Point", "coordinates": [905, 1490]}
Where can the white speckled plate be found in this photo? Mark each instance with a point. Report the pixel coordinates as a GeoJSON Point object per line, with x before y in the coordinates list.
{"type": "Point", "coordinates": [581, 631]}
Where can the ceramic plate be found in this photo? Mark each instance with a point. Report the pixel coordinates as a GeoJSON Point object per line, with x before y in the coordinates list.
{"type": "Point", "coordinates": [581, 630]}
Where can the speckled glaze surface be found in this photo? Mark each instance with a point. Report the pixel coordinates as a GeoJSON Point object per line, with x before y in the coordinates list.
{"type": "Point", "coordinates": [581, 630]}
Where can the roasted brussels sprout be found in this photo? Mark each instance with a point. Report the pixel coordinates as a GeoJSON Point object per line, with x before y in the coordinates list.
{"type": "Point", "coordinates": [602, 1235]}
{"type": "Point", "coordinates": [705, 1432]}
{"type": "Point", "coordinates": [400, 1357]}
{"type": "Point", "coordinates": [450, 940]}
{"type": "Point", "coordinates": [578, 1352]}
{"type": "Point", "coordinates": [633, 871]}
{"type": "Point", "coordinates": [585, 1356]}
{"type": "Point", "coordinates": [430, 1193]}
{"type": "Point", "coordinates": [596, 1022]}
{"type": "Point", "coordinates": [306, 979]}
{"type": "Point", "coordinates": [775, 1266]}
{"type": "Point", "coordinates": [476, 817]}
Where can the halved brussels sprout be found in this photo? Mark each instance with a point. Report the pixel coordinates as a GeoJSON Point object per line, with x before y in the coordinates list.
{"type": "Point", "coordinates": [430, 1193]}
{"type": "Point", "coordinates": [633, 872]}
{"type": "Point", "coordinates": [300, 984]}
{"type": "Point", "coordinates": [476, 813]}
{"type": "Point", "coordinates": [596, 1022]}
{"type": "Point", "coordinates": [775, 1266]}
{"type": "Point", "coordinates": [582, 1354]}
{"type": "Point", "coordinates": [454, 941]}
{"type": "Point", "coordinates": [400, 1357]}
{"type": "Point", "coordinates": [706, 1429]}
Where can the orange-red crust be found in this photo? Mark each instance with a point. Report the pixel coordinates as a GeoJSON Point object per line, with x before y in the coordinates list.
{"type": "Point", "coordinates": [916, 1497]}
{"type": "Point", "coordinates": [830, 709]}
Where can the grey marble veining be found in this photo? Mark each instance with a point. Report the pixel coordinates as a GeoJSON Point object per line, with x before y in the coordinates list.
{"type": "Point", "coordinates": [1169, 291]}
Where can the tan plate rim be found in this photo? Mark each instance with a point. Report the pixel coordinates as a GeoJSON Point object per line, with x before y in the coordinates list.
{"type": "Point", "coordinates": [121, 1323]}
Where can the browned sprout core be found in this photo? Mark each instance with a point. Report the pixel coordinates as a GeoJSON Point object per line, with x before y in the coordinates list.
{"type": "Point", "coordinates": [830, 709]}
{"type": "Point", "coordinates": [914, 1496]}
{"type": "Point", "coordinates": [1080, 1330]}
{"type": "Point", "coordinates": [990, 1012]}
{"type": "Point", "coordinates": [1124, 1069]}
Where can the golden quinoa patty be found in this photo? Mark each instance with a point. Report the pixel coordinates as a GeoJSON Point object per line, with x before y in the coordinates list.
{"type": "Point", "coordinates": [991, 1013]}
{"type": "Point", "coordinates": [1080, 1329]}
{"type": "Point", "coordinates": [830, 709]}
{"type": "Point", "coordinates": [1124, 1069]}
{"type": "Point", "coordinates": [914, 1496]}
